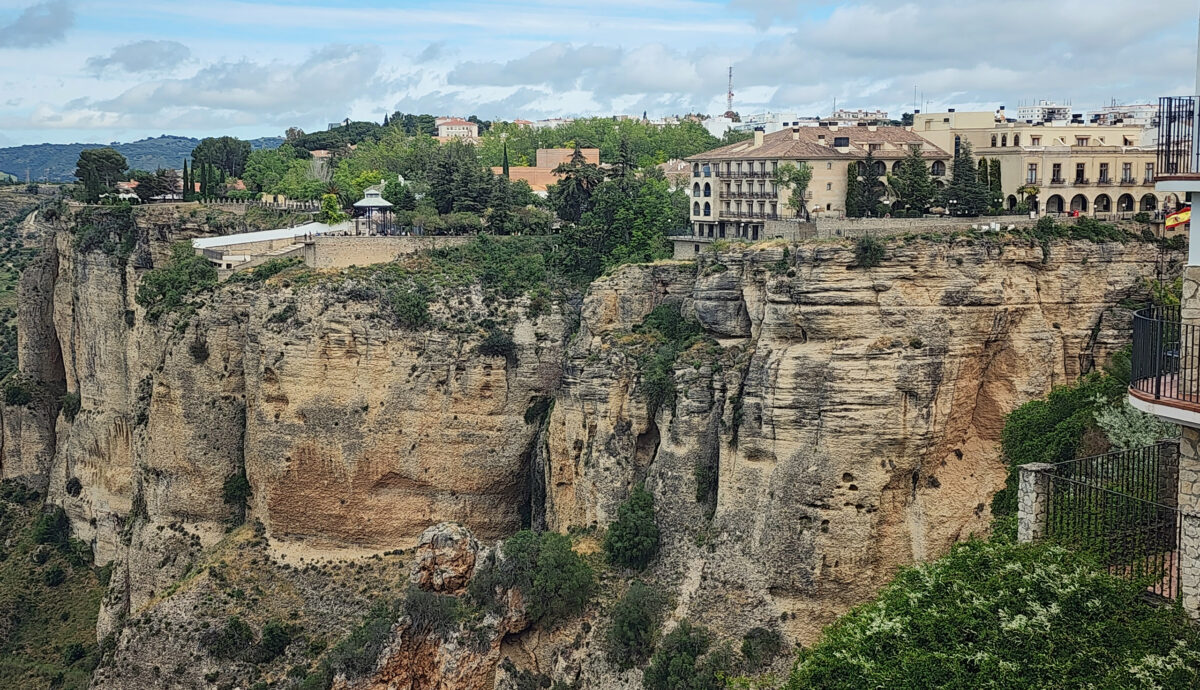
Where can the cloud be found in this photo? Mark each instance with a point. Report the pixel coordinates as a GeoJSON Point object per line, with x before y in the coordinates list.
{"type": "Point", "coordinates": [39, 25]}
{"type": "Point", "coordinates": [141, 57]}
{"type": "Point", "coordinates": [434, 51]}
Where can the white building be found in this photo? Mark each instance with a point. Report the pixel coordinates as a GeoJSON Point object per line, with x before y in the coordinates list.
{"type": "Point", "coordinates": [1044, 111]}
{"type": "Point", "coordinates": [455, 128]}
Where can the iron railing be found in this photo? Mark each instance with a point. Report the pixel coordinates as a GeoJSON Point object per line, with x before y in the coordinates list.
{"type": "Point", "coordinates": [1165, 360]}
{"type": "Point", "coordinates": [1122, 509]}
{"type": "Point", "coordinates": [1176, 132]}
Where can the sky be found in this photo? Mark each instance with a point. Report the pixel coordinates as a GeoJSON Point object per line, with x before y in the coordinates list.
{"type": "Point", "coordinates": [108, 70]}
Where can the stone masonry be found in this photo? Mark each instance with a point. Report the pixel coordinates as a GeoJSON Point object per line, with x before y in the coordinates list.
{"type": "Point", "coordinates": [1033, 497]}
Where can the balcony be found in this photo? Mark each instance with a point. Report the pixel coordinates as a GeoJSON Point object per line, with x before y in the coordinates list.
{"type": "Point", "coordinates": [1165, 366]}
{"type": "Point", "coordinates": [1178, 156]}
{"type": "Point", "coordinates": [1035, 181]}
{"type": "Point", "coordinates": [1057, 181]}
{"type": "Point", "coordinates": [751, 215]}
{"type": "Point", "coordinates": [1127, 181]}
{"type": "Point", "coordinates": [1081, 180]}
{"type": "Point", "coordinates": [1104, 181]}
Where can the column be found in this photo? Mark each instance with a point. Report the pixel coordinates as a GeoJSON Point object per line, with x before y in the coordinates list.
{"type": "Point", "coordinates": [1033, 499]}
{"type": "Point", "coordinates": [1188, 551]}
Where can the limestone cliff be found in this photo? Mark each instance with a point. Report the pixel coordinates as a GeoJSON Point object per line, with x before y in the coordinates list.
{"type": "Point", "coordinates": [848, 414]}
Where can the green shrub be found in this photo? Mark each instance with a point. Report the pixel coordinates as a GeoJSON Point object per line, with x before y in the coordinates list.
{"type": "Point", "coordinates": [170, 288]}
{"type": "Point", "coordinates": [760, 646]}
{"type": "Point", "coordinates": [555, 581]}
{"type": "Point", "coordinates": [668, 326]}
{"type": "Point", "coordinates": [868, 252]}
{"type": "Point", "coordinates": [431, 614]}
{"type": "Point", "coordinates": [409, 308]}
{"type": "Point", "coordinates": [274, 641]}
{"type": "Point", "coordinates": [636, 619]}
{"type": "Point", "coordinates": [231, 641]}
{"type": "Point", "coordinates": [74, 487]}
{"type": "Point", "coordinates": [73, 652]}
{"type": "Point", "coordinates": [18, 391]}
{"type": "Point", "coordinates": [1005, 615]}
{"type": "Point", "coordinates": [70, 403]}
{"type": "Point", "coordinates": [1141, 217]}
{"type": "Point", "coordinates": [236, 489]}
{"type": "Point", "coordinates": [632, 540]}
{"type": "Point", "coordinates": [269, 268]}
{"type": "Point", "coordinates": [683, 661]}
{"type": "Point", "coordinates": [283, 315]}
{"type": "Point", "coordinates": [52, 527]}
{"type": "Point", "coordinates": [198, 349]}
{"type": "Point", "coordinates": [357, 653]}
{"type": "Point", "coordinates": [497, 343]}
{"type": "Point", "coordinates": [110, 229]}
{"type": "Point", "coordinates": [54, 576]}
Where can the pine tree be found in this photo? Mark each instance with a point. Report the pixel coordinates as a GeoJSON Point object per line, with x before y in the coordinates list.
{"type": "Point", "coordinates": [912, 183]}
{"type": "Point", "coordinates": [964, 195]}
{"type": "Point", "coordinates": [385, 120]}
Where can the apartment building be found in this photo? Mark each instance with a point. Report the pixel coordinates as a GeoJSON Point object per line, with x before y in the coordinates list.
{"type": "Point", "coordinates": [732, 193]}
{"type": "Point", "coordinates": [456, 128]}
{"type": "Point", "coordinates": [1092, 169]}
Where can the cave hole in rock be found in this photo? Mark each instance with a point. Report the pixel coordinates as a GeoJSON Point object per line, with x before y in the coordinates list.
{"type": "Point", "coordinates": [646, 446]}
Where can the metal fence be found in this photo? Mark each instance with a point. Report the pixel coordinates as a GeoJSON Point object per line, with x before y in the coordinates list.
{"type": "Point", "coordinates": [1121, 507]}
{"type": "Point", "coordinates": [1165, 360]}
{"type": "Point", "coordinates": [1176, 129]}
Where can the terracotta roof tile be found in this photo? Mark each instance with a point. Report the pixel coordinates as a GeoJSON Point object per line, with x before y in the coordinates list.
{"type": "Point", "coordinates": [804, 143]}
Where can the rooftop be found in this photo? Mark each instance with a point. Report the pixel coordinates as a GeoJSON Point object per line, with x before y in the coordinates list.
{"type": "Point", "coordinates": [800, 143]}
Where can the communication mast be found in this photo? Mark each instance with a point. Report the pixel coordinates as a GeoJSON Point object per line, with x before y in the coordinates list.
{"type": "Point", "coordinates": [729, 97]}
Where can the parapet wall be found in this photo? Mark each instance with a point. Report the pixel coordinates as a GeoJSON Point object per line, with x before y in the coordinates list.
{"type": "Point", "coordinates": [343, 252]}
{"type": "Point", "coordinates": [832, 228]}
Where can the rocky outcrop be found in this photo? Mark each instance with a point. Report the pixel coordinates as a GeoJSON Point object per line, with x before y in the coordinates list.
{"type": "Point", "coordinates": [835, 423]}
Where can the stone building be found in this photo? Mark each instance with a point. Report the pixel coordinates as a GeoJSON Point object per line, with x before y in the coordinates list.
{"type": "Point", "coordinates": [732, 194]}
{"type": "Point", "coordinates": [1092, 169]}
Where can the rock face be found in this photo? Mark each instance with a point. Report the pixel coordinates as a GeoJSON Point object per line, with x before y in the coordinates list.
{"type": "Point", "coordinates": [838, 422]}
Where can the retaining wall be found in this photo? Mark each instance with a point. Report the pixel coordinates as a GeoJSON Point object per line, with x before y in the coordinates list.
{"type": "Point", "coordinates": [343, 252]}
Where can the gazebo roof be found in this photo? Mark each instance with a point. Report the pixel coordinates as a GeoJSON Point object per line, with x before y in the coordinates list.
{"type": "Point", "coordinates": [372, 199]}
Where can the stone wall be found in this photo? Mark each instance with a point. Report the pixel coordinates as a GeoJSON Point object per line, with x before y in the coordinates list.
{"type": "Point", "coordinates": [832, 228]}
{"type": "Point", "coordinates": [343, 252]}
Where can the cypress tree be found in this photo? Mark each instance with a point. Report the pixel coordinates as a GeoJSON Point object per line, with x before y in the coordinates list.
{"type": "Point", "coordinates": [994, 180]}
{"type": "Point", "coordinates": [981, 175]}
{"type": "Point", "coordinates": [185, 180]}
{"type": "Point", "coordinates": [871, 189]}
{"type": "Point", "coordinates": [505, 173]}
{"type": "Point", "coordinates": [854, 204]}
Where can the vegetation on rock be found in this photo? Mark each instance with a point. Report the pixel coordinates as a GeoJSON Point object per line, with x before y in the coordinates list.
{"type": "Point", "coordinates": [636, 619]}
{"type": "Point", "coordinates": [685, 660]}
{"type": "Point", "coordinates": [632, 540]}
{"type": "Point", "coordinates": [170, 288]}
{"type": "Point", "coordinates": [555, 582]}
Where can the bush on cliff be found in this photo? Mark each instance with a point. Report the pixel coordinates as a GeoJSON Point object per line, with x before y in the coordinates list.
{"type": "Point", "coordinates": [685, 660]}
{"type": "Point", "coordinates": [632, 540]}
{"type": "Point", "coordinates": [554, 581]}
{"type": "Point", "coordinates": [673, 333]}
{"type": "Point", "coordinates": [1005, 615]}
{"type": "Point", "coordinates": [636, 619]}
{"type": "Point", "coordinates": [169, 288]}
{"type": "Point", "coordinates": [868, 252]}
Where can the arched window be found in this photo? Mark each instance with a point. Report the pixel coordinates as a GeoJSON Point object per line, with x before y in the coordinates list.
{"type": "Point", "coordinates": [695, 170]}
{"type": "Point", "coordinates": [1079, 203]}
{"type": "Point", "coordinates": [1003, 140]}
{"type": "Point", "coordinates": [1011, 203]}
{"type": "Point", "coordinates": [1125, 203]}
{"type": "Point", "coordinates": [707, 209]}
{"type": "Point", "coordinates": [696, 208]}
{"type": "Point", "coordinates": [1017, 139]}
{"type": "Point", "coordinates": [958, 143]}
{"type": "Point", "coordinates": [896, 167]}
{"type": "Point", "coordinates": [696, 189]}
{"type": "Point", "coordinates": [939, 168]}
{"type": "Point", "coordinates": [880, 168]}
{"type": "Point", "coordinates": [1054, 204]}
{"type": "Point", "coordinates": [707, 189]}
{"type": "Point", "coordinates": [993, 140]}
{"type": "Point", "coordinates": [1102, 204]}
{"type": "Point", "coordinates": [1149, 203]}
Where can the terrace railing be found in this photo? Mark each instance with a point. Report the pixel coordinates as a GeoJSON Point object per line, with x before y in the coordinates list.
{"type": "Point", "coordinates": [1165, 360]}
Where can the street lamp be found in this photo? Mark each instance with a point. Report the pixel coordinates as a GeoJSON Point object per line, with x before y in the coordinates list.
{"type": "Point", "coordinates": [953, 203]}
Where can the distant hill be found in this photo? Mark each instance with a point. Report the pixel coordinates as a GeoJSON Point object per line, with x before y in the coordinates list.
{"type": "Point", "coordinates": [57, 161]}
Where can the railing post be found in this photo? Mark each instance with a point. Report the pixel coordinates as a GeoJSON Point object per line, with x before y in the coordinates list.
{"type": "Point", "coordinates": [1033, 501]}
{"type": "Point", "coordinates": [1158, 346]}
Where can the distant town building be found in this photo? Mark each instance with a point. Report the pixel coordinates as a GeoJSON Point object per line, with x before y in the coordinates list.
{"type": "Point", "coordinates": [1044, 111]}
{"type": "Point", "coordinates": [852, 117]}
{"type": "Point", "coordinates": [770, 123]}
{"type": "Point", "coordinates": [455, 128]}
{"type": "Point", "coordinates": [1141, 114]}
{"type": "Point", "coordinates": [553, 122]}
{"type": "Point", "coordinates": [541, 175]}
{"type": "Point", "coordinates": [1090, 168]}
{"type": "Point", "coordinates": [732, 191]}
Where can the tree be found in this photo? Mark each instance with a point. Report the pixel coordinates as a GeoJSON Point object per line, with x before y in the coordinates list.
{"type": "Point", "coordinates": [636, 618]}
{"type": "Point", "coordinates": [632, 540]}
{"type": "Point", "coordinates": [854, 196]}
{"type": "Point", "coordinates": [912, 184]}
{"type": "Point", "coordinates": [994, 181]}
{"type": "Point", "coordinates": [331, 210]}
{"type": "Point", "coordinates": [99, 170]}
{"type": "Point", "coordinates": [571, 196]}
{"type": "Point", "coordinates": [228, 154]}
{"type": "Point", "coordinates": [265, 168]}
{"type": "Point", "coordinates": [162, 182]}
{"type": "Point", "coordinates": [796, 178]}
{"type": "Point", "coordinates": [964, 195]}
{"type": "Point", "coordinates": [400, 196]}
{"type": "Point", "coordinates": [683, 661]}
{"type": "Point", "coordinates": [872, 189]}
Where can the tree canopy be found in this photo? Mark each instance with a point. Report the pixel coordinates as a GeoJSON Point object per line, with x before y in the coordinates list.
{"type": "Point", "coordinates": [228, 154]}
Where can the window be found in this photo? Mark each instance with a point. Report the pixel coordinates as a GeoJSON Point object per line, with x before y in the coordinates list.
{"type": "Point", "coordinates": [841, 142]}
{"type": "Point", "coordinates": [829, 165]}
{"type": "Point", "coordinates": [1081, 141]}
{"type": "Point", "coordinates": [1016, 140]}
{"type": "Point", "coordinates": [1127, 172]}
{"type": "Point", "coordinates": [1149, 172]}
{"type": "Point", "coordinates": [874, 147]}
{"type": "Point", "coordinates": [1031, 174]}
{"type": "Point", "coordinates": [707, 189]}
{"type": "Point", "coordinates": [1104, 172]}
{"type": "Point", "coordinates": [695, 170]}
{"type": "Point", "coordinates": [1081, 172]}
{"type": "Point", "coordinates": [696, 189]}
{"type": "Point", "coordinates": [1004, 140]}
{"type": "Point", "coordinates": [696, 208]}
{"type": "Point", "coordinates": [1056, 173]}
{"type": "Point", "coordinates": [993, 141]}
{"type": "Point", "coordinates": [774, 166]}
{"type": "Point", "coordinates": [707, 209]}
{"type": "Point", "coordinates": [828, 186]}
{"type": "Point", "coordinates": [1035, 141]}
{"type": "Point", "coordinates": [939, 168]}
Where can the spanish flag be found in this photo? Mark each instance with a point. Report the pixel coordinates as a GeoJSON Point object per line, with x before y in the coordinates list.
{"type": "Point", "coordinates": [1179, 217]}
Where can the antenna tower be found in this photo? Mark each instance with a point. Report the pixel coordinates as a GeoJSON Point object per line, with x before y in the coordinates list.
{"type": "Point", "coordinates": [729, 95]}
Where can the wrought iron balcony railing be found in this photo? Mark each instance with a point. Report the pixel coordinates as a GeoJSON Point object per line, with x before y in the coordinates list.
{"type": "Point", "coordinates": [1165, 361]}
{"type": "Point", "coordinates": [1177, 152]}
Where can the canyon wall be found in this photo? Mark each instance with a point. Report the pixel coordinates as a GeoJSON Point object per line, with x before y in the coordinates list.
{"type": "Point", "coordinates": [848, 418]}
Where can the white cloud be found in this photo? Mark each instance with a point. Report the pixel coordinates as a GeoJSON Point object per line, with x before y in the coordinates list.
{"type": "Point", "coordinates": [141, 56]}
{"type": "Point", "coordinates": [38, 25]}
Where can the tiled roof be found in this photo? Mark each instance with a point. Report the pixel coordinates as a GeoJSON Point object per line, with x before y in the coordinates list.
{"type": "Point", "coordinates": [454, 122]}
{"type": "Point", "coordinates": [803, 143]}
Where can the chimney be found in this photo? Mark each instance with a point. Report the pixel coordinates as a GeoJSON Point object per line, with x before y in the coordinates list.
{"type": "Point", "coordinates": [872, 128]}
{"type": "Point", "coordinates": [796, 134]}
{"type": "Point", "coordinates": [758, 138]}
{"type": "Point", "coordinates": [821, 140]}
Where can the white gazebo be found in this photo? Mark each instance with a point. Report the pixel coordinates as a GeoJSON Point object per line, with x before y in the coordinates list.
{"type": "Point", "coordinates": [375, 209]}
